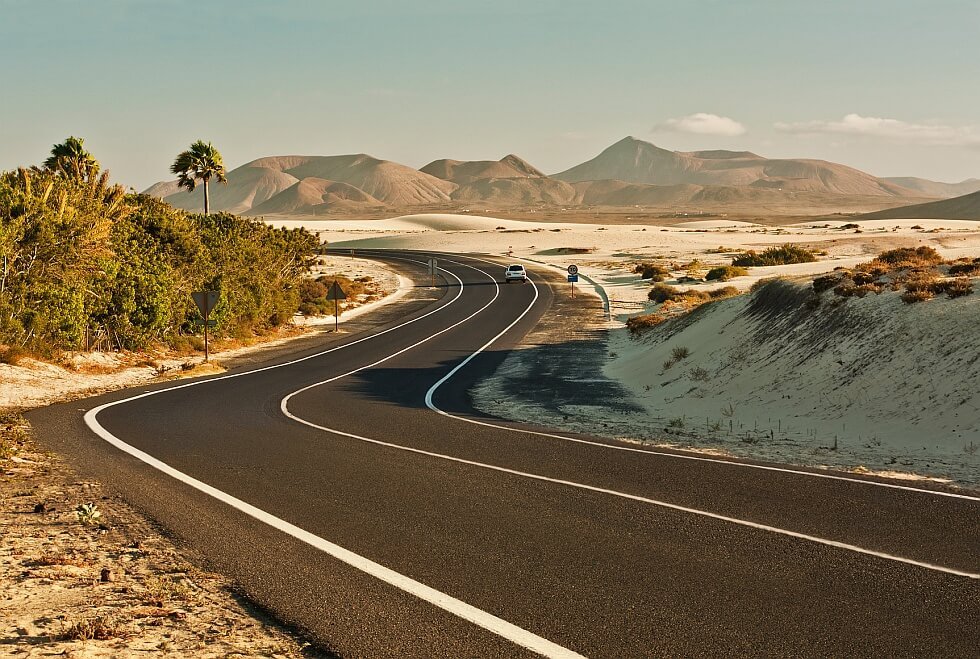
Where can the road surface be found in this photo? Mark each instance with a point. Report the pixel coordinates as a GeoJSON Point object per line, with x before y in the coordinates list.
{"type": "Point", "coordinates": [353, 491]}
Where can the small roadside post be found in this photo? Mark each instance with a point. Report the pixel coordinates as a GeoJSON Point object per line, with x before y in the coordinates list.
{"type": "Point", "coordinates": [336, 293]}
{"type": "Point", "coordinates": [206, 301]}
{"type": "Point", "coordinates": [572, 277]}
{"type": "Point", "coordinates": [433, 266]}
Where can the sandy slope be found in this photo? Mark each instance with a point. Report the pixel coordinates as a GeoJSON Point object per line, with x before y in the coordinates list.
{"type": "Point", "coordinates": [966, 207]}
{"type": "Point", "coordinates": [892, 385]}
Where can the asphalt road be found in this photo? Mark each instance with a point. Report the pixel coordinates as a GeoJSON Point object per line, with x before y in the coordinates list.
{"type": "Point", "coordinates": [355, 500]}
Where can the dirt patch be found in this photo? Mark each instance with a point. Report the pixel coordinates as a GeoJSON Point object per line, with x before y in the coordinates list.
{"type": "Point", "coordinates": [84, 575]}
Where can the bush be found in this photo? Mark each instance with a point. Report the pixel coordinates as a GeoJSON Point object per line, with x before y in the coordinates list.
{"type": "Point", "coordinates": [919, 290]}
{"type": "Point", "coordinates": [825, 283]}
{"type": "Point", "coordinates": [651, 271]}
{"type": "Point", "coordinates": [637, 325]}
{"type": "Point", "coordinates": [958, 287]}
{"type": "Point", "coordinates": [662, 292]}
{"type": "Point", "coordinates": [909, 257]}
{"type": "Point", "coordinates": [13, 355]}
{"type": "Point", "coordinates": [965, 268]}
{"type": "Point", "coordinates": [722, 293]}
{"type": "Point", "coordinates": [776, 255]}
{"type": "Point", "coordinates": [726, 272]}
{"type": "Point", "coordinates": [679, 353]}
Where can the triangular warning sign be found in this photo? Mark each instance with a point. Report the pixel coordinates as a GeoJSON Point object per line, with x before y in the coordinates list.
{"type": "Point", "coordinates": [336, 292]}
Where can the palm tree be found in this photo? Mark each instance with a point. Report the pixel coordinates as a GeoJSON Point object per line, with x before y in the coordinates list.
{"type": "Point", "coordinates": [71, 159]}
{"type": "Point", "coordinates": [200, 162]}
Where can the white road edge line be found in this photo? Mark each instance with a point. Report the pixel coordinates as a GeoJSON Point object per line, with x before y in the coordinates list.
{"type": "Point", "coordinates": [663, 504]}
{"type": "Point", "coordinates": [457, 607]}
{"type": "Point", "coordinates": [679, 456]}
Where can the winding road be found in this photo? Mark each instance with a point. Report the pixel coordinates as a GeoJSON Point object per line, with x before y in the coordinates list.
{"type": "Point", "coordinates": [354, 491]}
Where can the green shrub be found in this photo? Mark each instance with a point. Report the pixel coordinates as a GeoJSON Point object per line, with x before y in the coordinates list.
{"type": "Point", "coordinates": [776, 255]}
{"type": "Point", "coordinates": [726, 272]}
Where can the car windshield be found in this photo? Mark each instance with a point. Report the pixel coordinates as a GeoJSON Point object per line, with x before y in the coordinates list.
{"type": "Point", "coordinates": [516, 267]}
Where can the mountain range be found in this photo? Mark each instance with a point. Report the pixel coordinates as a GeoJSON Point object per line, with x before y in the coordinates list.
{"type": "Point", "coordinates": [631, 173]}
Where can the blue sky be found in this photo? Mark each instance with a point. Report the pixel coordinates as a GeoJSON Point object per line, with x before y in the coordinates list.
{"type": "Point", "coordinates": [886, 86]}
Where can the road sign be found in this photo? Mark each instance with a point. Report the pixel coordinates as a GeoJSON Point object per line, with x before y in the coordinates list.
{"type": "Point", "coordinates": [572, 278]}
{"type": "Point", "coordinates": [206, 301]}
{"type": "Point", "coordinates": [336, 292]}
{"type": "Point", "coordinates": [433, 267]}
{"type": "Point", "coordinates": [572, 270]}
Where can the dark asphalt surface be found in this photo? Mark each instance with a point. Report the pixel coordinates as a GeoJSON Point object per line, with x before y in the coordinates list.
{"type": "Point", "coordinates": [599, 574]}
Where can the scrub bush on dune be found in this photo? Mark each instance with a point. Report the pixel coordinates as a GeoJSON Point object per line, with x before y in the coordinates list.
{"type": "Point", "coordinates": [726, 272]}
{"type": "Point", "coordinates": [778, 255]}
{"type": "Point", "coordinates": [637, 325]}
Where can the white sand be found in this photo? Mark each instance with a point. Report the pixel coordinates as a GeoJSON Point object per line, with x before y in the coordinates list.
{"type": "Point", "coordinates": [894, 383]}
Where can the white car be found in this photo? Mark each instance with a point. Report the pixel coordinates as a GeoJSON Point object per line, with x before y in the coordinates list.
{"type": "Point", "coordinates": [515, 273]}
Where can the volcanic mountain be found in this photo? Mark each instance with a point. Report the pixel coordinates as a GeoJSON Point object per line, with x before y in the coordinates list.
{"type": "Point", "coordinates": [317, 196]}
{"type": "Point", "coordinates": [635, 161]}
{"type": "Point", "coordinates": [260, 180]}
{"type": "Point", "coordinates": [630, 173]}
{"type": "Point", "coordinates": [927, 188]}
{"type": "Point", "coordinates": [463, 172]}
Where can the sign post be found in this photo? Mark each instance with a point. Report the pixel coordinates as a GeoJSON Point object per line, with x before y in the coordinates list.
{"type": "Point", "coordinates": [336, 293]}
{"type": "Point", "coordinates": [206, 301]}
{"type": "Point", "coordinates": [572, 277]}
{"type": "Point", "coordinates": [433, 266]}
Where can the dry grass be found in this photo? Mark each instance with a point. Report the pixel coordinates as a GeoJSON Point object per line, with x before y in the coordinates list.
{"type": "Point", "coordinates": [637, 325]}
{"type": "Point", "coordinates": [725, 273]}
{"type": "Point", "coordinates": [13, 355]}
{"type": "Point", "coordinates": [95, 628]}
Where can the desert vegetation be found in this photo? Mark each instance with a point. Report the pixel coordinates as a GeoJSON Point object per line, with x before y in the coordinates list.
{"type": "Point", "coordinates": [726, 273]}
{"type": "Point", "coordinates": [84, 264]}
{"type": "Point", "coordinates": [776, 255]}
{"type": "Point", "coordinates": [920, 272]}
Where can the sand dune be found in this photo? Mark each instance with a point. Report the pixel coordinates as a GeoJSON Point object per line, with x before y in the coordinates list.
{"type": "Point", "coordinates": [463, 172]}
{"type": "Point", "coordinates": [966, 207]}
{"type": "Point", "coordinates": [316, 196]}
{"type": "Point", "coordinates": [635, 161]}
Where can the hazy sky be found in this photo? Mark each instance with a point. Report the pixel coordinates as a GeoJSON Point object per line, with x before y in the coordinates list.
{"type": "Point", "coordinates": [888, 86]}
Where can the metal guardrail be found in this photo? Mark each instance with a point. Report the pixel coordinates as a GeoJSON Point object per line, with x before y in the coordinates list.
{"type": "Point", "coordinates": [596, 285]}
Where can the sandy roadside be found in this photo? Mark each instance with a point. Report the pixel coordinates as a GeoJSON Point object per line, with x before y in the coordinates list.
{"type": "Point", "coordinates": [104, 582]}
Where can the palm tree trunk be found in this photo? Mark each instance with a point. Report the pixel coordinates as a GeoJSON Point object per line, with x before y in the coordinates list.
{"type": "Point", "coordinates": [207, 204]}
